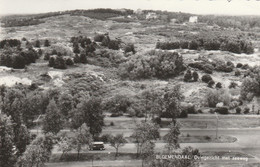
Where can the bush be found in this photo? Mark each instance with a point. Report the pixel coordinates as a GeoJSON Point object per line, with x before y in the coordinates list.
{"type": "Point", "coordinates": [183, 114]}
{"type": "Point", "coordinates": [232, 85]}
{"type": "Point", "coordinates": [37, 44]}
{"type": "Point", "coordinates": [46, 57]}
{"type": "Point", "coordinates": [211, 83]}
{"type": "Point", "coordinates": [238, 110]}
{"type": "Point", "coordinates": [219, 85]}
{"type": "Point", "coordinates": [157, 120]}
{"type": "Point", "coordinates": [245, 67]}
{"type": "Point", "coordinates": [114, 44]}
{"type": "Point", "coordinates": [129, 48]}
{"type": "Point", "coordinates": [212, 45]}
{"type": "Point", "coordinates": [69, 62]}
{"type": "Point", "coordinates": [195, 76]}
{"type": "Point", "coordinates": [222, 110]}
{"type": "Point", "coordinates": [213, 97]}
{"type": "Point", "coordinates": [112, 123]}
{"type": "Point", "coordinates": [184, 44]}
{"type": "Point", "coordinates": [99, 37]}
{"type": "Point", "coordinates": [193, 45]}
{"type": "Point", "coordinates": [246, 110]}
{"type": "Point", "coordinates": [46, 43]}
{"type": "Point", "coordinates": [207, 68]}
{"type": "Point", "coordinates": [239, 65]}
{"type": "Point", "coordinates": [237, 73]}
{"type": "Point", "coordinates": [206, 78]}
{"type": "Point", "coordinates": [188, 76]}
{"type": "Point", "coordinates": [157, 64]}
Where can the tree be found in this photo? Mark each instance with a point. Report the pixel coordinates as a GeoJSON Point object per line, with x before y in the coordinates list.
{"type": "Point", "coordinates": [53, 120]}
{"type": "Point", "coordinates": [172, 98]}
{"type": "Point", "coordinates": [51, 61]}
{"type": "Point", "coordinates": [91, 113]}
{"type": "Point", "coordinates": [117, 141]}
{"type": "Point", "coordinates": [172, 137]}
{"type": "Point", "coordinates": [82, 137]}
{"type": "Point", "coordinates": [147, 151]}
{"type": "Point", "coordinates": [145, 132]}
{"type": "Point", "coordinates": [23, 139]}
{"type": "Point", "coordinates": [37, 44]}
{"type": "Point", "coordinates": [188, 76]}
{"type": "Point", "coordinates": [64, 145]}
{"type": "Point", "coordinates": [46, 43]}
{"type": "Point", "coordinates": [38, 152]}
{"type": "Point", "coordinates": [7, 146]}
{"type": "Point", "coordinates": [66, 104]}
{"type": "Point", "coordinates": [195, 76]}
{"type": "Point", "coordinates": [211, 83]}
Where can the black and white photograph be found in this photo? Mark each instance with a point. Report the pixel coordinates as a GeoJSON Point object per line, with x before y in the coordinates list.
{"type": "Point", "coordinates": [130, 83]}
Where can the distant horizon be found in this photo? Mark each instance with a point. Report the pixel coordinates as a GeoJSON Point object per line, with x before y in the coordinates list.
{"type": "Point", "coordinates": [199, 7]}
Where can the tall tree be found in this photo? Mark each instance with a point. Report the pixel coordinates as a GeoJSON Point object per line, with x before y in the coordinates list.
{"type": "Point", "coordinates": [82, 137]}
{"type": "Point", "coordinates": [117, 141]}
{"type": "Point", "coordinates": [53, 121]}
{"type": "Point", "coordinates": [172, 137]}
{"type": "Point", "coordinates": [145, 132]}
{"type": "Point", "coordinates": [91, 112]}
{"type": "Point", "coordinates": [172, 98]}
{"type": "Point", "coordinates": [7, 146]}
{"type": "Point", "coordinates": [38, 152]}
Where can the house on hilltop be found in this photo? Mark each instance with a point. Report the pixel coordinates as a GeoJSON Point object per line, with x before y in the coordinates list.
{"type": "Point", "coordinates": [151, 15]}
{"type": "Point", "coordinates": [193, 19]}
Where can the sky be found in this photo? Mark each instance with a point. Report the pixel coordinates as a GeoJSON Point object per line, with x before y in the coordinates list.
{"type": "Point", "coordinates": [226, 7]}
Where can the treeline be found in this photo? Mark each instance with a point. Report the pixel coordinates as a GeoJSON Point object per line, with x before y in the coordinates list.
{"type": "Point", "coordinates": [231, 45]}
{"type": "Point", "coordinates": [240, 22]}
{"type": "Point", "coordinates": [27, 20]}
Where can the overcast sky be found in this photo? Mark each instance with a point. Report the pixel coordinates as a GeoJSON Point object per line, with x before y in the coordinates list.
{"type": "Point", "coordinates": [235, 7]}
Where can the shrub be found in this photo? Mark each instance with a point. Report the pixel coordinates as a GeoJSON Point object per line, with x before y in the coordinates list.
{"type": "Point", "coordinates": [238, 110]}
{"type": "Point", "coordinates": [99, 37]}
{"type": "Point", "coordinates": [129, 48]}
{"type": "Point", "coordinates": [157, 120]}
{"type": "Point", "coordinates": [239, 65]}
{"type": "Point", "coordinates": [219, 85]}
{"type": "Point", "coordinates": [46, 43]}
{"type": "Point", "coordinates": [206, 78]}
{"type": "Point", "coordinates": [184, 44]}
{"type": "Point", "coordinates": [195, 76]}
{"type": "Point", "coordinates": [76, 59]}
{"type": "Point", "coordinates": [211, 45]}
{"type": "Point", "coordinates": [183, 114]}
{"type": "Point", "coordinates": [222, 110]}
{"type": "Point", "coordinates": [245, 66]}
{"type": "Point", "coordinates": [112, 123]}
{"type": "Point", "coordinates": [246, 110]}
{"type": "Point", "coordinates": [114, 44]}
{"type": "Point", "coordinates": [231, 46]}
{"type": "Point", "coordinates": [249, 86]}
{"type": "Point", "coordinates": [37, 44]}
{"type": "Point", "coordinates": [211, 83]}
{"type": "Point", "coordinates": [213, 97]}
{"type": "Point", "coordinates": [207, 68]}
{"type": "Point", "coordinates": [193, 45]}
{"type": "Point", "coordinates": [188, 76]}
{"type": "Point", "coordinates": [46, 57]}
{"type": "Point", "coordinates": [167, 45]}
{"type": "Point", "coordinates": [157, 64]}
{"type": "Point", "coordinates": [69, 62]}
{"type": "Point", "coordinates": [232, 85]}
{"type": "Point", "coordinates": [237, 73]}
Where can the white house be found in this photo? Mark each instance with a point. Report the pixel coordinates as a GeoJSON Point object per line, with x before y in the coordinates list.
{"type": "Point", "coordinates": [151, 15]}
{"type": "Point", "coordinates": [193, 19]}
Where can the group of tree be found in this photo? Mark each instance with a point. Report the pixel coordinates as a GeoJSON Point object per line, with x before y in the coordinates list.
{"type": "Point", "coordinates": [231, 45]}
{"type": "Point", "coordinates": [191, 76]}
{"type": "Point", "coordinates": [251, 85]}
{"type": "Point", "coordinates": [17, 57]}
{"type": "Point", "coordinates": [157, 64]}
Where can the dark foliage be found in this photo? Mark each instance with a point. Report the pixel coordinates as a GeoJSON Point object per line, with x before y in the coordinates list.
{"type": "Point", "coordinates": [206, 78]}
